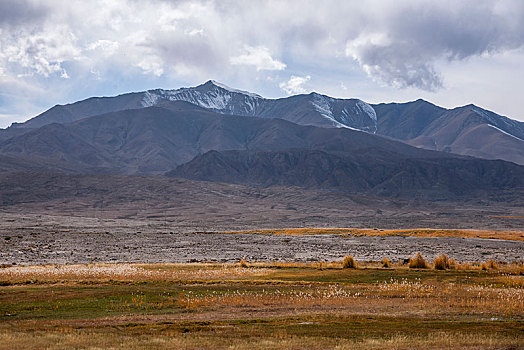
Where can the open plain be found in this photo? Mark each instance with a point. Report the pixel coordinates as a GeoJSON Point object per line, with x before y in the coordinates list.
{"type": "Point", "coordinates": [137, 262]}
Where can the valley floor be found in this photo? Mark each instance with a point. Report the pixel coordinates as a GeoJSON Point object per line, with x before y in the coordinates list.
{"type": "Point", "coordinates": [261, 306]}
{"type": "Point", "coordinates": [59, 240]}
{"type": "Point", "coordinates": [113, 243]}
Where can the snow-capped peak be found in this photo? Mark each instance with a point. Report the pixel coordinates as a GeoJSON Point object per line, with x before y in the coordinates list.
{"type": "Point", "coordinates": [342, 113]}
{"type": "Point", "coordinates": [225, 87]}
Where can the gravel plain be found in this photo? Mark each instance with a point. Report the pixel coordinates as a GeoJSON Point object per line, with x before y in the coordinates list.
{"type": "Point", "coordinates": [39, 240]}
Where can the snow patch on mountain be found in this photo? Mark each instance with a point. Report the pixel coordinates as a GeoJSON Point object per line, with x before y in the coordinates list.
{"type": "Point", "coordinates": [225, 87]}
{"type": "Point", "coordinates": [367, 109]}
{"type": "Point", "coordinates": [351, 114]}
{"type": "Point", "coordinates": [323, 105]}
{"type": "Point", "coordinates": [150, 99]}
{"type": "Point", "coordinates": [504, 132]}
{"type": "Point", "coordinates": [500, 122]}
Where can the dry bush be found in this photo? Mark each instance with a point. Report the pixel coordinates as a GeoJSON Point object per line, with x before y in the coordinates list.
{"type": "Point", "coordinates": [349, 263]}
{"type": "Point", "coordinates": [492, 264]}
{"type": "Point", "coordinates": [452, 264]}
{"type": "Point", "coordinates": [484, 267]}
{"type": "Point", "coordinates": [418, 262]}
{"type": "Point", "coordinates": [441, 263]}
{"type": "Point", "coordinates": [462, 265]}
{"type": "Point", "coordinates": [243, 263]}
{"type": "Point", "coordinates": [386, 263]}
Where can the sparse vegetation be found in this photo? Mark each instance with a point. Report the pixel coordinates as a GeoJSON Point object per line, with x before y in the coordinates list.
{"type": "Point", "coordinates": [418, 262]}
{"type": "Point", "coordinates": [349, 263]}
{"type": "Point", "coordinates": [492, 264]}
{"type": "Point", "coordinates": [297, 306]}
{"type": "Point", "coordinates": [516, 235]}
{"type": "Point", "coordinates": [442, 263]}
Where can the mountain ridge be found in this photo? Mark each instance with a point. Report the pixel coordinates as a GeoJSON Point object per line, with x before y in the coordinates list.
{"type": "Point", "coordinates": [467, 130]}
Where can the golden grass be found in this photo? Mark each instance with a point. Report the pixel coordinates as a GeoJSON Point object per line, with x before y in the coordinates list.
{"type": "Point", "coordinates": [126, 272]}
{"type": "Point", "coordinates": [517, 235]}
{"type": "Point", "coordinates": [442, 262]}
{"type": "Point", "coordinates": [349, 263]}
{"type": "Point", "coordinates": [418, 262]}
{"type": "Point", "coordinates": [266, 305]}
{"type": "Point", "coordinates": [218, 339]}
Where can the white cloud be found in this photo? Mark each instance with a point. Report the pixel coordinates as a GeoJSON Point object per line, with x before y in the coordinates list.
{"type": "Point", "coordinates": [194, 32]}
{"type": "Point", "coordinates": [258, 57]}
{"type": "Point", "coordinates": [295, 85]}
{"type": "Point", "coordinates": [108, 47]}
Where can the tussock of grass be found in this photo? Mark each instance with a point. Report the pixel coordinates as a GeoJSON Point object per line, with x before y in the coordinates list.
{"type": "Point", "coordinates": [349, 263]}
{"type": "Point", "coordinates": [243, 263]}
{"type": "Point", "coordinates": [492, 264]}
{"type": "Point", "coordinates": [418, 262]}
{"type": "Point", "coordinates": [442, 263]}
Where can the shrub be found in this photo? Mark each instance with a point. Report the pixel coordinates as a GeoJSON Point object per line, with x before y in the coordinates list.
{"type": "Point", "coordinates": [386, 263]}
{"type": "Point", "coordinates": [441, 263]}
{"type": "Point", "coordinates": [243, 263]}
{"type": "Point", "coordinates": [492, 264]}
{"type": "Point", "coordinates": [452, 264]}
{"type": "Point", "coordinates": [349, 263]}
{"type": "Point", "coordinates": [418, 262]}
{"type": "Point", "coordinates": [484, 267]}
{"type": "Point", "coordinates": [465, 266]}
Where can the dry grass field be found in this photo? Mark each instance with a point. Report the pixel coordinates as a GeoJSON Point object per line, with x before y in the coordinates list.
{"type": "Point", "coordinates": [261, 305]}
{"type": "Point", "coordinates": [512, 235]}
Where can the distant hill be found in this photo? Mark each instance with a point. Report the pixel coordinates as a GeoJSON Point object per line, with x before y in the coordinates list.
{"type": "Point", "coordinates": [371, 171]}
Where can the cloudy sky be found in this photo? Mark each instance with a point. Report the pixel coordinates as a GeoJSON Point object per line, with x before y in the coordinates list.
{"type": "Point", "coordinates": [449, 52]}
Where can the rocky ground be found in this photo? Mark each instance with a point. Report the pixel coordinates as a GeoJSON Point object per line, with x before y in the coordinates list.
{"type": "Point", "coordinates": [61, 219]}
{"type": "Point", "coordinates": [41, 239]}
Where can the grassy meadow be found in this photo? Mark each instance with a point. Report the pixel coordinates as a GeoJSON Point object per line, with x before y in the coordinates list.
{"type": "Point", "coordinates": [262, 305]}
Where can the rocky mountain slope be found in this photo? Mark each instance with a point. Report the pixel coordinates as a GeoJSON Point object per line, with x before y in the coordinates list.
{"type": "Point", "coordinates": [157, 139]}
{"type": "Point", "coordinates": [372, 171]}
{"type": "Point", "coordinates": [195, 143]}
{"type": "Point", "coordinates": [467, 130]}
{"type": "Point", "coordinates": [312, 109]}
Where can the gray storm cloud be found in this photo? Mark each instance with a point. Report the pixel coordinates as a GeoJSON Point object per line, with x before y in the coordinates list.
{"type": "Point", "coordinates": [397, 43]}
{"type": "Point", "coordinates": [21, 11]}
{"type": "Point", "coordinates": [401, 48]}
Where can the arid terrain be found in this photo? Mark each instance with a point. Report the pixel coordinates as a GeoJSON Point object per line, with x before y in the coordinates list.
{"type": "Point", "coordinates": [40, 239]}
{"type": "Point", "coordinates": [63, 219]}
{"type": "Point", "coordinates": [151, 262]}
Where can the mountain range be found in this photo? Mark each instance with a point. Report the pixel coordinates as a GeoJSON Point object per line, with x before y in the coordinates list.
{"type": "Point", "coordinates": [467, 130]}
{"type": "Point", "coordinates": [215, 133]}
